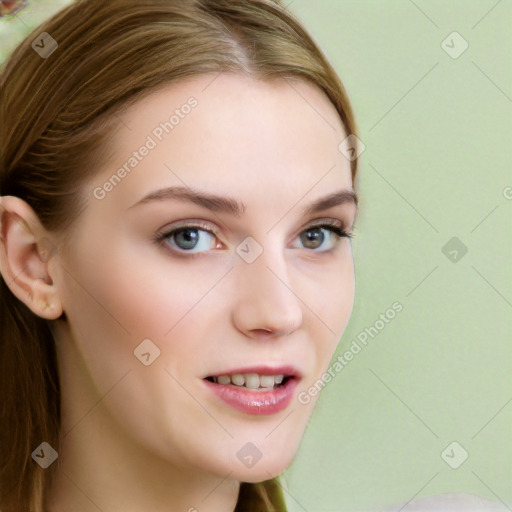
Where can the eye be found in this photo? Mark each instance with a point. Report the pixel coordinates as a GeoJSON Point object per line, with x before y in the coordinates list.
{"type": "Point", "coordinates": [187, 237]}
{"type": "Point", "coordinates": [314, 236]}
{"type": "Point", "coordinates": [196, 238]}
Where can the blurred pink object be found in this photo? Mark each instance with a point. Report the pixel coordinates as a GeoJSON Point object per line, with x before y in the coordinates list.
{"type": "Point", "coordinates": [11, 7]}
{"type": "Point", "coordinates": [449, 502]}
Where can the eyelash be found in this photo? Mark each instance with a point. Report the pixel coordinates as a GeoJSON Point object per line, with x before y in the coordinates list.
{"type": "Point", "coordinates": [333, 226]}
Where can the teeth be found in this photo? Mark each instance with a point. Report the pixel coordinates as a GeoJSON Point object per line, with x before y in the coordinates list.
{"type": "Point", "coordinates": [267, 381]}
{"type": "Point", "coordinates": [238, 379]}
{"type": "Point", "coordinates": [224, 379]}
{"type": "Point", "coordinates": [251, 380]}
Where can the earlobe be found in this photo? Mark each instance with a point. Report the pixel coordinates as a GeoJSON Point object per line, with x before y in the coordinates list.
{"type": "Point", "coordinates": [25, 254]}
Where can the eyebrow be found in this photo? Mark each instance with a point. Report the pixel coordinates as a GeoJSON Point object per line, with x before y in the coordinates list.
{"type": "Point", "coordinates": [230, 205]}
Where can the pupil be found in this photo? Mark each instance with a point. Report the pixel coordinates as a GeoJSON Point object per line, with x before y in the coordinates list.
{"type": "Point", "coordinates": [313, 235]}
{"type": "Point", "coordinates": [190, 238]}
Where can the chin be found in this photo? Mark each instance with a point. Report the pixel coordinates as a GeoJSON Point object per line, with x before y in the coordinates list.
{"type": "Point", "coordinates": [263, 469]}
{"type": "Point", "coordinates": [260, 473]}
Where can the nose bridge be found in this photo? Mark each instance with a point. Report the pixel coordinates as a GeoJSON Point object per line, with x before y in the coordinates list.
{"type": "Point", "coordinates": [266, 300]}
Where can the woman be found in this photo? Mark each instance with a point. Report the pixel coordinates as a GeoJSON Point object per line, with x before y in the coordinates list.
{"type": "Point", "coordinates": [177, 197]}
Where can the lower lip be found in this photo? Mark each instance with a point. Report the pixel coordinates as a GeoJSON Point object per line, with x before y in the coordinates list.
{"type": "Point", "coordinates": [255, 402]}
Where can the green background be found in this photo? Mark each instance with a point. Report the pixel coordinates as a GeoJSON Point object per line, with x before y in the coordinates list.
{"type": "Point", "coordinates": [437, 164]}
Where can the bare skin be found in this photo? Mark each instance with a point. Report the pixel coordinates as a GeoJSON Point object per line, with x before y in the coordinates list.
{"type": "Point", "coordinates": [155, 437]}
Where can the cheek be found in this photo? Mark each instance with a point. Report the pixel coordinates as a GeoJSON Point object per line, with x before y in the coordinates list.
{"type": "Point", "coordinates": [330, 299]}
{"type": "Point", "coordinates": [136, 305]}
{"type": "Point", "coordinates": [330, 294]}
{"type": "Point", "coordinates": [110, 310]}
{"type": "Point", "coordinates": [130, 290]}
{"type": "Point", "coordinates": [123, 303]}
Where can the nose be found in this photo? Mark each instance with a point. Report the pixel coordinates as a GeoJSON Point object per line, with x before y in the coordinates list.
{"type": "Point", "coordinates": [265, 303]}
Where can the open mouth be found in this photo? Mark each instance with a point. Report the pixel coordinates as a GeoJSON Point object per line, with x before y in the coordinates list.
{"type": "Point", "coordinates": [255, 390]}
{"type": "Point", "coordinates": [251, 381]}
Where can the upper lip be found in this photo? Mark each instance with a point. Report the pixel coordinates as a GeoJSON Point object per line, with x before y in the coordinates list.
{"type": "Point", "coordinates": [286, 370]}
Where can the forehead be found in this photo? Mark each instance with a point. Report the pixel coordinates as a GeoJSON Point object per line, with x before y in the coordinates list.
{"type": "Point", "coordinates": [231, 132]}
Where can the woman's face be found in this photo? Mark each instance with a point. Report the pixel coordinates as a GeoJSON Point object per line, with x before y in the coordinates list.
{"type": "Point", "coordinates": [153, 316]}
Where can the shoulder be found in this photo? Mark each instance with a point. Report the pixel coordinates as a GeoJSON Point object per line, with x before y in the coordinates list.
{"type": "Point", "coordinates": [449, 502]}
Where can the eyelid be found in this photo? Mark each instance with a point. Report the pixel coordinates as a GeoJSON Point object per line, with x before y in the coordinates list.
{"type": "Point", "coordinates": [166, 230]}
{"type": "Point", "coordinates": [325, 220]}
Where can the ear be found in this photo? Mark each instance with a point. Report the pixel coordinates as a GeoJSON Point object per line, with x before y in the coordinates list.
{"type": "Point", "coordinates": [26, 250]}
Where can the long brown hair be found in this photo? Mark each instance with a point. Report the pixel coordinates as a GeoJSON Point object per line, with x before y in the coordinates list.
{"type": "Point", "coordinates": [57, 115]}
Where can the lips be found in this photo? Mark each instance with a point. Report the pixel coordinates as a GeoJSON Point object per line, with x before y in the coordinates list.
{"type": "Point", "coordinates": [255, 390]}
